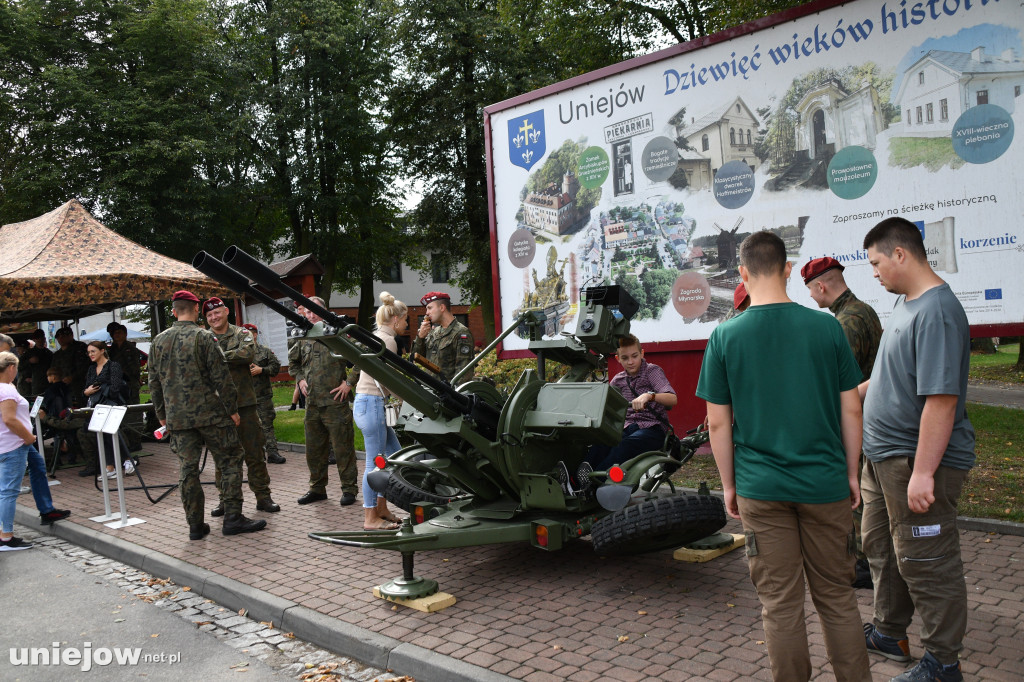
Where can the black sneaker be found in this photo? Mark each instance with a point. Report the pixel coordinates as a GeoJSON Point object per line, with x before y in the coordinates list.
{"type": "Point", "coordinates": [930, 670]}
{"type": "Point", "coordinates": [14, 544]}
{"type": "Point", "coordinates": [53, 515]}
{"type": "Point", "coordinates": [890, 647]}
{"type": "Point", "coordinates": [583, 478]}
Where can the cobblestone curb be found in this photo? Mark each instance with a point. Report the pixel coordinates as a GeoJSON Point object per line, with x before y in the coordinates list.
{"type": "Point", "coordinates": [371, 652]}
{"type": "Point", "coordinates": [280, 650]}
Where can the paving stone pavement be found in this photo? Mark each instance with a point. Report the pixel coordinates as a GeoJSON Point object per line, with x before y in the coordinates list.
{"type": "Point", "coordinates": [280, 650]}
{"type": "Point", "coordinates": [521, 613]}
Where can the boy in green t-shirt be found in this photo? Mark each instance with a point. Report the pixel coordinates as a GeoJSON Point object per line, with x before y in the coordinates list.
{"type": "Point", "coordinates": [780, 383]}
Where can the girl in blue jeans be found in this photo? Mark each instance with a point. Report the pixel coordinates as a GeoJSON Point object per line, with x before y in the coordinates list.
{"type": "Point", "coordinates": [16, 450]}
{"type": "Point", "coordinates": [368, 413]}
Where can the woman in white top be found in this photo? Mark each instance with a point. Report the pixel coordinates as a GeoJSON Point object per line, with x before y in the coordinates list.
{"type": "Point", "coordinates": [17, 449]}
{"type": "Point", "coordinates": [368, 413]}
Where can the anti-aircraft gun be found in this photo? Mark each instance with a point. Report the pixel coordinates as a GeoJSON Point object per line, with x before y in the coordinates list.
{"type": "Point", "coordinates": [488, 468]}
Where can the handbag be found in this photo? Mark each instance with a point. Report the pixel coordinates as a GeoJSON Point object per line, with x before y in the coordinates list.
{"type": "Point", "coordinates": [391, 409]}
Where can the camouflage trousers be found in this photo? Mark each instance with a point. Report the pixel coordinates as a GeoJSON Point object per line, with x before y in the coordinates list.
{"type": "Point", "coordinates": [265, 408]}
{"type": "Point", "coordinates": [250, 435]}
{"type": "Point", "coordinates": [330, 425]}
{"type": "Point", "coordinates": [222, 442]}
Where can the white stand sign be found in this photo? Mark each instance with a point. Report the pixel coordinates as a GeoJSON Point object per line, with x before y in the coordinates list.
{"type": "Point", "coordinates": [106, 419]}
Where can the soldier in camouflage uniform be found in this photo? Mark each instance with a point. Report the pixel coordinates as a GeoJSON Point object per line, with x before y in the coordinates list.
{"type": "Point", "coordinates": [72, 359]}
{"type": "Point", "coordinates": [827, 286]}
{"type": "Point", "coordinates": [127, 354]}
{"type": "Point", "coordinates": [240, 350]}
{"type": "Point", "coordinates": [825, 281]}
{"type": "Point", "coordinates": [441, 338]}
{"type": "Point", "coordinates": [195, 398]}
{"type": "Point", "coordinates": [264, 368]}
{"type": "Point", "coordinates": [324, 381]}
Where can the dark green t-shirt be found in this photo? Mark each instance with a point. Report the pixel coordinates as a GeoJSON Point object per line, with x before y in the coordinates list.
{"type": "Point", "coordinates": [782, 367]}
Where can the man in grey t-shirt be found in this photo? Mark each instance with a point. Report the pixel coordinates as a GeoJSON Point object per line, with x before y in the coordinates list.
{"type": "Point", "coordinates": [919, 446]}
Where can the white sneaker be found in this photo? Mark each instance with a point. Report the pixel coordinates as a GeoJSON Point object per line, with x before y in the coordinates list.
{"type": "Point", "coordinates": [129, 467]}
{"type": "Point", "coordinates": [107, 474]}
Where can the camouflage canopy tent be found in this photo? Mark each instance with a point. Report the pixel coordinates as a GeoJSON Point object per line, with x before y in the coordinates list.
{"type": "Point", "coordinates": [66, 265]}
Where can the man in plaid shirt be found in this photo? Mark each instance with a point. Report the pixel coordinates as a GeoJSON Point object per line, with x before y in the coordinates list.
{"type": "Point", "coordinates": [650, 395]}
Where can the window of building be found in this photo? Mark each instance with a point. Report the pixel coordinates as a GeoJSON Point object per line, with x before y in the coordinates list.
{"type": "Point", "coordinates": [920, 77]}
{"type": "Point", "coordinates": [438, 270]}
{"type": "Point", "coordinates": [705, 143]}
{"type": "Point", "coordinates": [929, 112]}
{"type": "Point", "coordinates": [393, 273]}
{"type": "Point", "coordinates": [943, 110]}
{"type": "Point", "coordinates": [732, 136]}
{"type": "Point", "coordinates": [738, 110]}
{"type": "Point", "coordinates": [920, 115]}
{"type": "Point", "coordinates": [748, 137]}
{"type": "Point", "coordinates": [1016, 91]}
{"type": "Point", "coordinates": [982, 96]}
{"type": "Point", "coordinates": [908, 117]}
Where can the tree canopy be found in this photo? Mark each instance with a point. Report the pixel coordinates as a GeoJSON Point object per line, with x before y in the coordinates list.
{"type": "Point", "coordinates": [294, 126]}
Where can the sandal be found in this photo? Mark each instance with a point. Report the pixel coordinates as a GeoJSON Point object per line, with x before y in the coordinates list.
{"type": "Point", "coordinates": [384, 524]}
{"type": "Point", "coordinates": [392, 518]}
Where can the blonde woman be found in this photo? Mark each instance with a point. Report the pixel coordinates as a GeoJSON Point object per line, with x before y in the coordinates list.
{"type": "Point", "coordinates": [368, 413]}
{"type": "Point", "coordinates": [17, 448]}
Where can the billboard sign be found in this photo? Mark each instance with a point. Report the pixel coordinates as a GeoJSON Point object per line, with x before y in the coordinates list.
{"type": "Point", "coordinates": [651, 174]}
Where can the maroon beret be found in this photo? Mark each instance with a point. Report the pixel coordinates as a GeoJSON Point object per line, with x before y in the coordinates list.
{"type": "Point", "coordinates": [251, 327]}
{"type": "Point", "coordinates": [435, 296]}
{"type": "Point", "coordinates": [212, 303]}
{"type": "Point", "coordinates": [739, 296]}
{"type": "Point", "coordinates": [184, 296]}
{"type": "Point", "coordinates": [818, 267]}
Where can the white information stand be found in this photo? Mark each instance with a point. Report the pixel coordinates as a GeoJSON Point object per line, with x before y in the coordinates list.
{"type": "Point", "coordinates": [106, 419]}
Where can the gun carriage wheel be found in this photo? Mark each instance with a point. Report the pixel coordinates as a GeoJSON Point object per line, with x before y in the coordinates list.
{"type": "Point", "coordinates": [658, 523]}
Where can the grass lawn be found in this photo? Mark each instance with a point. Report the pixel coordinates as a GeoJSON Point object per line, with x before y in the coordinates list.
{"type": "Point", "coordinates": [998, 366]}
{"type": "Point", "coordinates": [993, 486]}
{"type": "Point", "coordinates": [288, 428]}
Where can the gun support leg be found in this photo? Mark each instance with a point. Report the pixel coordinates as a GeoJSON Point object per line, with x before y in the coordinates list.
{"type": "Point", "coordinates": [408, 586]}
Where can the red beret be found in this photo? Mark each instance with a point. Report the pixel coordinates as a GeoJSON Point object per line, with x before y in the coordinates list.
{"type": "Point", "coordinates": [435, 296]}
{"type": "Point", "coordinates": [739, 296]}
{"type": "Point", "coordinates": [212, 303]}
{"type": "Point", "coordinates": [251, 327]}
{"type": "Point", "coordinates": [818, 267]}
{"type": "Point", "coordinates": [184, 296]}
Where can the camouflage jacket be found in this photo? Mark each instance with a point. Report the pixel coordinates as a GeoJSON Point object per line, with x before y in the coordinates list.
{"type": "Point", "coordinates": [189, 379]}
{"type": "Point", "coordinates": [240, 351]}
{"type": "Point", "coordinates": [311, 360]}
{"type": "Point", "coordinates": [266, 359]}
{"type": "Point", "coordinates": [130, 359]}
{"type": "Point", "coordinates": [862, 328]}
{"type": "Point", "coordinates": [72, 362]}
{"type": "Point", "coordinates": [450, 348]}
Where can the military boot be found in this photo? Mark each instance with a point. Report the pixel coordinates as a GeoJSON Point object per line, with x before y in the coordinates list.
{"type": "Point", "coordinates": [198, 531]}
{"type": "Point", "coordinates": [236, 523]}
{"type": "Point", "coordinates": [218, 510]}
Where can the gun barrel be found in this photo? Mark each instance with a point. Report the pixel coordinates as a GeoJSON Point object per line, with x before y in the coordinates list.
{"type": "Point", "coordinates": [234, 280]}
{"type": "Point", "coordinates": [238, 259]}
{"type": "Point", "coordinates": [244, 266]}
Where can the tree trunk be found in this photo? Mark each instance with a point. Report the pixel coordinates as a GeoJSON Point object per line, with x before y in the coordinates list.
{"type": "Point", "coordinates": [1020, 355]}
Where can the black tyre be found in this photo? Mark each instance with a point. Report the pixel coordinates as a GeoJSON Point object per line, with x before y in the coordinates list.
{"type": "Point", "coordinates": [656, 524]}
{"type": "Point", "coordinates": [407, 485]}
